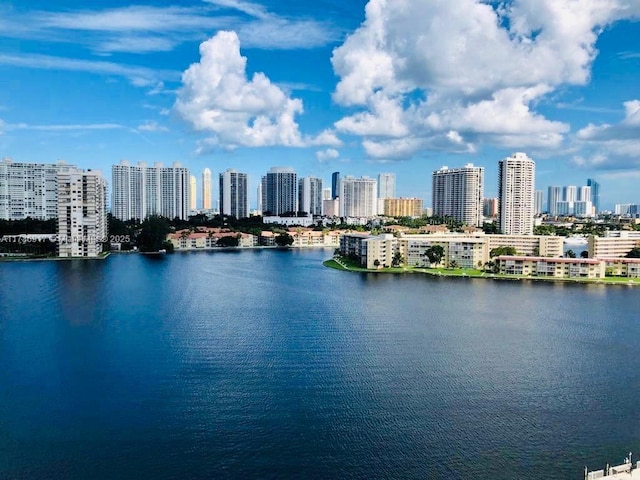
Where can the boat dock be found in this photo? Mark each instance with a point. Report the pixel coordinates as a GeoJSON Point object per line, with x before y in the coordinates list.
{"type": "Point", "coordinates": [627, 471]}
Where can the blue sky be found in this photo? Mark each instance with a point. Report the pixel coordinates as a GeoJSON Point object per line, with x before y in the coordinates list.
{"type": "Point", "coordinates": [402, 86]}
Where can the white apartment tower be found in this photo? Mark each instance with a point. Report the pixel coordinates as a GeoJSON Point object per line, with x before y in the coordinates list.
{"type": "Point", "coordinates": [140, 191]}
{"type": "Point", "coordinates": [458, 193]}
{"type": "Point", "coordinates": [234, 194]}
{"type": "Point", "coordinates": [516, 186]}
{"type": "Point", "coordinates": [206, 189]}
{"type": "Point", "coordinates": [82, 212]}
{"type": "Point", "coordinates": [28, 190]}
{"type": "Point", "coordinates": [358, 197]}
{"type": "Point", "coordinates": [310, 195]}
{"type": "Point", "coordinates": [387, 185]}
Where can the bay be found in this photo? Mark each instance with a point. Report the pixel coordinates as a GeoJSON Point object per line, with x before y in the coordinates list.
{"type": "Point", "coordinates": [265, 364]}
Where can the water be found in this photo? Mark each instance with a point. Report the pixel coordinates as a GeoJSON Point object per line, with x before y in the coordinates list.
{"type": "Point", "coordinates": [265, 364]}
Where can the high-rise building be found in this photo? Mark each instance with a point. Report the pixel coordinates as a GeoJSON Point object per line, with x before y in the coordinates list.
{"type": "Point", "coordinates": [234, 194]}
{"type": "Point", "coordinates": [280, 191]}
{"type": "Point", "coordinates": [584, 194]}
{"type": "Point", "coordinates": [28, 190]}
{"type": "Point", "coordinates": [326, 194]}
{"type": "Point", "coordinates": [537, 202]}
{"type": "Point", "coordinates": [335, 185]}
{"type": "Point", "coordinates": [458, 193]}
{"type": "Point", "coordinates": [595, 193]}
{"type": "Point", "coordinates": [490, 207]}
{"type": "Point", "coordinates": [570, 193]}
{"type": "Point", "coordinates": [140, 191]}
{"type": "Point", "coordinates": [554, 196]}
{"type": "Point", "coordinates": [82, 212]}
{"type": "Point", "coordinates": [387, 185]}
{"type": "Point", "coordinates": [310, 195]}
{"type": "Point", "coordinates": [206, 189]}
{"type": "Point", "coordinates": [516, 184]}
{"type": "Point", "coordinates": [358, 197]}
{"type": "Point", "coordinates": [193, 191]}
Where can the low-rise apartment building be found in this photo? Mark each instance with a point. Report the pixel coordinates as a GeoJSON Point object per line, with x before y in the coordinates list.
{"type": "Point", "coordinates": [614, 244]}
{"type": "Point", "coordinates": [551, 267]}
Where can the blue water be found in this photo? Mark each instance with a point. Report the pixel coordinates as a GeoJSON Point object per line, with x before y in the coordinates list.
{"type": "Point", "coordinates": [265, 364]}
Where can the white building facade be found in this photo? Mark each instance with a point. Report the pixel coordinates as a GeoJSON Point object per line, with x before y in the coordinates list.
{"type": "Point", "coordinates": [358, 197]}
{"type": "Point", "coordinates": [234, 193]}
{"type": "Point", "coordinates": [28, 190]}
{"type": "Point", "coordinates": [458, 193]}
{"type": "Point", "coordinates": [516, 186]}
{"type": "Point", "coordinates": [82, 213]}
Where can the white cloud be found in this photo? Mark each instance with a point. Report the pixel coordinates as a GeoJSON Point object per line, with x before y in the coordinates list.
{"type": "Point", "coordinates": [470, 66]}
{"type": "Point", "coordinates": [64, 127]}
{"type": "Point", "coordinates": [151, 126]}
{"type": "Point", "coordinates": [326, 155]}
{"type": "Point", "coordinates": [138, 76]}
{"type": "Point", "coordinates": [217, 98]}
{"type": "Point", "coordinates": [612, 146]}
{"type": "Point", "coordinates": [142, 29]}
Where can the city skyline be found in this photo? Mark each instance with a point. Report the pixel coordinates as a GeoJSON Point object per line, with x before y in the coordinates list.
{"type": "Point", "coordinates": [309, 87]}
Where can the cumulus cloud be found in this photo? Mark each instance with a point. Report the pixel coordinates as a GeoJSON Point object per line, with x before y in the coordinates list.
{"type": "Point", "coordinates": [218, 99]}
{"type": "Point", "coordinates": [612, 146]}
{"type": "Point", "coordinates": [326, 155]}
{"type": "Point", "coordinates": [477, 68]}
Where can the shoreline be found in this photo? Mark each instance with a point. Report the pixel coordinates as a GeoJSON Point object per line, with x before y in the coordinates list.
{"type": "Point", "coordinates": [618, 281]}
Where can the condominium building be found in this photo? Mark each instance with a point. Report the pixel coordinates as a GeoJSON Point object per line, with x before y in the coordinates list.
{"type": "Point", "coordinates": [193, 192]}
{"type": "Point", "coordinates": [402, 207]}
{"type": "Point", "coordinates": [140, 191]}
{"type": "Point", "coordinates": [280, 191]}
{"type": "Point", "coordinates": [554, 196]}
{"type": "Point", "coordinates": [387, 185]}
{"type": "Point", "coordinates": [28, 190]}
{"type": "Point", "coordinates": [234, 194]}
{"type": "Point", "coordinates": [206, 189]}
{"type": "Point", "coordinates": [595, 194]}
{"type": "Point", "coordinates": [615, 244]}
{"type": "Point", "coordinates": [537, 202]}
{"type": "Point", "coordinates": [458, 193]}
{"type": "Point", "coordinates": [490, 207]}
{"type": "Point", "coordinates": [82, 212]}
{"type": "Point", "coordinates": [310, 195]}
{"type": "Point", "coordinates": [516, 180]}
{"type": "Point", "coordinates": [358, 197]}
{"type": "Point", "coordinates": [335, 185]}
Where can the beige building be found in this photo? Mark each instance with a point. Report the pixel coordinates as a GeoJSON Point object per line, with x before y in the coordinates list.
{"type": "Point", "coordinates": [402, 207]}
{"type": "Point", "coordinates": [615, 244]}
{"type": "Point", "coordinates": [538, 245]}
{"type": "Point", "coordinates": [551, 267]}
{"type": "Point", "coordinates": [470, 250]}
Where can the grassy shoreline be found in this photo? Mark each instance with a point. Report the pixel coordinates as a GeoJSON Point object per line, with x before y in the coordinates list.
{"type": "Point", "coordinates": [348, 266]}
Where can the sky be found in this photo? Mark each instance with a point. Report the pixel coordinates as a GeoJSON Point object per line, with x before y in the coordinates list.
{"type": "Point", "coordinates": [402, 86]}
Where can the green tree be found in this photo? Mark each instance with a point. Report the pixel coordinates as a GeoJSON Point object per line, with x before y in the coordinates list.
{"type": "Point", "coordinates": [284, 240]}
{"type": "Point", "coordinates": [570, 254]}
{"type": "Point", "coordinates": [496, 252]}
{"type": "Point", "coordinates": [453, 264]}
{"type": "Point", "coordinates": [153, 234]}
{"type": "Point", "coordinates": [376, 263]}
{"type": "Point", "coordinates": [633, 253]}
{"type": "Point", "coordinates": [584, 254]}
{"type": "Point", "coordinates": [397, 259]}
{"type": "Point", "coordinates": [228, 241]}
{"type": "Point", "coordinates": [435, 254]}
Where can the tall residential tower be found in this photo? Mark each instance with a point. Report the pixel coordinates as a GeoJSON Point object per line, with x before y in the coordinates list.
{"type": "Point", "coordinates": [458, 193]}
{"type": "Point", "coordinates": [516, 186]}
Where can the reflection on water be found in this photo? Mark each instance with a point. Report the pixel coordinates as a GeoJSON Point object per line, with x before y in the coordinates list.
{"type": "Point", "coordinates": [266, 364]}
